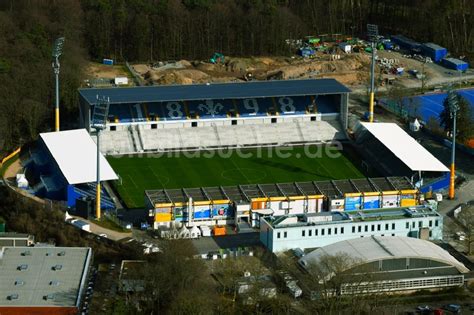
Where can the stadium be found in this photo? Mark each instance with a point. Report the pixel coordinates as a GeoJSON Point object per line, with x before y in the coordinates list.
{"type": "Point", "coordinates": [218, 154]}
{"type": "Point", "coordinates": [240, 117]}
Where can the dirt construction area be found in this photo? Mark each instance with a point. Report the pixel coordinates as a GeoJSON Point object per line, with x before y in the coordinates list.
{"type": "Point", "coordinates": [350, 69]}
{"type": "Point", "coordinates": [98, 70]}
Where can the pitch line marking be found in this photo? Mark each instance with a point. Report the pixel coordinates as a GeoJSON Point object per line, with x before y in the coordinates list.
{"type": "Point", "coordinates": [133, 182]}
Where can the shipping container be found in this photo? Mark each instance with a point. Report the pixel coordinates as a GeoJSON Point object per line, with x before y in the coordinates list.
{"type": "Point", "coordinates": [387, 44]}
{"type": "Point", "coordinates": [345, 47]}
{"type": "Point", "coordinates": [307, 52]}
{"type": "Point", "coordinates": [455, 64]}
{"type": "Point", "coordinates": [108, 62]}
{"type": "Point", "coordinates": [121, 81]}
{"type": "Point", "coordinates": [406, 43]}
{"type": "Point", "coordinates": [435, 52]}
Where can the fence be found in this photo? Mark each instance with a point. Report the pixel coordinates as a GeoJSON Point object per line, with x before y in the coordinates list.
{"type": "Point", "coordinates": [437, 184]}
{"type": "Point", "coordinates": [394, 107]}
{"type": "Point", "coordinates": [136, 76]}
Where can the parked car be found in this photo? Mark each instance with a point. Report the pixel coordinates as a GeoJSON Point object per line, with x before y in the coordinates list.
{"type": "Point", "coordinates": [424, 309]}
{"type": "Point", "coordinates": [454, 308]}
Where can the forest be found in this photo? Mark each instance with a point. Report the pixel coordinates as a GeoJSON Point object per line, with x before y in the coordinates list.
{"type": "Point", "coordinates": [152, 30]}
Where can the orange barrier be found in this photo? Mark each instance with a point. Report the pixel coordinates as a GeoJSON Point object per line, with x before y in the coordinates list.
{"type": "Point", "coordinates": [219, 230]}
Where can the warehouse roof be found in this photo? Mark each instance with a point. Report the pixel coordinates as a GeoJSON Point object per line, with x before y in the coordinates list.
{"type": "Point", "coordinates": [253, 89]}
{"type": "Point", "coordinates": [76, 155]}
{"type": "Point", "coordinates": [404, 147]}
{"type": "Point", "coordinates": [368, 249]}
{"type": "Point", "coordinates": [43, 276]}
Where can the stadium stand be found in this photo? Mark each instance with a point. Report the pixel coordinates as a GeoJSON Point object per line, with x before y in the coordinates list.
{"type": "Point", "coordinates": [160, 118]}
{"type": "Point", "coordinates": [62, 166]}
{"type": "Point", "coordinates": [213, 137]}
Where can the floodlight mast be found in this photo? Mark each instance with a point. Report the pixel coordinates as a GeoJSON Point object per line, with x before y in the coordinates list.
{"type": "Point", "coordinates": [373, 33]}
{"type": "Point", "coordinates": [57, 52]}
{"type": "Point", "coordinates": [99, 121]}
{"type": "Point", "coordinates": [453, 109]}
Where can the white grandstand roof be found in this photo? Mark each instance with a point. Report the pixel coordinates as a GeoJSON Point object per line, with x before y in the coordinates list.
{"type": "Point", "coordinates": [368, 249]}
{"type": "Point", "coordinates": [404, 147]}
{"type": "Point", "coordinates": [76, 155]}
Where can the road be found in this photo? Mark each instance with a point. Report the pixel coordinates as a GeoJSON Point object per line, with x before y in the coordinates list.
{"type": "Point", "coordinates": [111, 234]}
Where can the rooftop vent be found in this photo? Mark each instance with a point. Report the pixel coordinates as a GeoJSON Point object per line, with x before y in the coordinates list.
{"type": "Point", "coordinates": [54, 282]}
{"type": "Point", "coordinates": [62, 253]}
{"type": "Point", "coordinates": [13, 296]}
{"type": "Point", "coordinates": [57, 267]}
{"type": "Point", "coordinates": [19, 282]}
{"type": "Point", "coordinates": [26, 253]}
{"type": "Point", "coordinates": [22, 267]}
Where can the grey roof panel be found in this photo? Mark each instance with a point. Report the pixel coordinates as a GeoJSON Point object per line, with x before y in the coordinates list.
{"type": "Point", "coordinates": [254, 89]}
{"type": "Point", "coordinates": [35, 281]}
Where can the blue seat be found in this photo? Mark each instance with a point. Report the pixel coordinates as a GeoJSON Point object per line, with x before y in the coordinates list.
{"type": "Point", "coordinates": [254, 107]}
{"type": "Point", "coordinates": [121, 111]}
{"type": "Point", "coordinates": [325, 105]}
{"type": "Point", "coordinates": [294, 105]}
{"type": "Point", "coordinates": [172, 111]}
{"type": "Point", "coordinates": [210, 108]}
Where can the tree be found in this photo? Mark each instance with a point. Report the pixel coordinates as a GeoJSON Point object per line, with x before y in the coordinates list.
{"type": "Point", "coordinates": [462, 227]}
{"type": "Point", "coordinates": [326, 279]}
{"type": "Point", "coordinates": [464, 122]}
{"type": "Point", "coordinates": [424, 78]}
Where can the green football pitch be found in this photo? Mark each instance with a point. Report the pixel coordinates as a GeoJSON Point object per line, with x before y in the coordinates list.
{"type": "Point", "coordinates": [222, 168]}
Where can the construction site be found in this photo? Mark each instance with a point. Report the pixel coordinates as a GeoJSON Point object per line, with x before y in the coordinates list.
{"type": "Point", "coordinates": [347, 61]}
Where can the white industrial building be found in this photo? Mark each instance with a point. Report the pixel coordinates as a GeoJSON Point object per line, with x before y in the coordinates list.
{"type": "Point", "coordinates": [387, 264]}
{"type": "Point", "coordinates": [313, 230]}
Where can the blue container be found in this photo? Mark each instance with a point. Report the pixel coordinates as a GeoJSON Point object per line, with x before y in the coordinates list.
{"type": "Point", "coordinates": [387, 45]}
{"type": "Point", "coordinates": [435, 52]}
{"type": "Point", "coordinates": [109, 62]}
{"type": "Point", "coordinates": [306, 52]}
{"type": "Point", "coordinates": [455, 64]}
{"type": "Point", "coordinates": [406, 43]}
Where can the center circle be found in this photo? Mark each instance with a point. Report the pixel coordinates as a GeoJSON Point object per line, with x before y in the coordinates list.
{"type": "Point", "coordinates": [249, 174]}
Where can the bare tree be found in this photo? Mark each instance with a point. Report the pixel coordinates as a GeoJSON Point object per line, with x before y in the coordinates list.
{"type": "Point", "coordinates": [463, 227]}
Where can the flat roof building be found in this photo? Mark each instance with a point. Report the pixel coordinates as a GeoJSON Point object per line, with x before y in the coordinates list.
{"type": "Point", "coordinates": [388, 264]}
{"type": "Point", "coordinates": [43, 280]}
{"type": "Point", "coordinates": [16, 239]}
{"type": "Point", "coordinates": [313, 230]}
